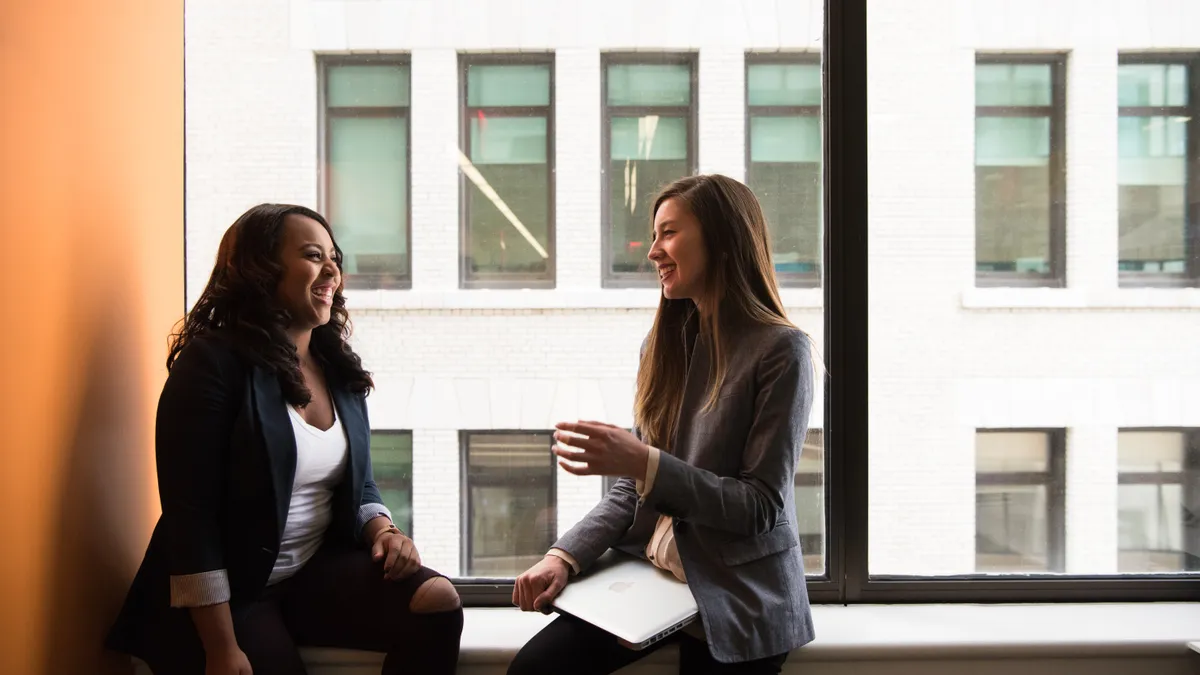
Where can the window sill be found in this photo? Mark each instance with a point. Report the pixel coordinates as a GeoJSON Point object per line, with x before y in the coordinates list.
{"type": "Point", "coordinates": [1073, 298]}
{"type": "Point", "coordinates": [491, 636]}
{"type": "Point", "coordinates": [560, 298]}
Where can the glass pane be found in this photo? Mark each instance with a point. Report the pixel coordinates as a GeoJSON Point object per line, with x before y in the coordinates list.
{"type": "Point", "coordinates": [810, 502]}
{"type": "Point", "coordinates": [1158, 530]}
{"type": "Point", "coordinates": [1013, 84]}
{"type": "Point", "coordinates": [1150, 451]}
{"type": "Point", "coordinates": [508, 198]}
{"type": "Point", "coordinates": [368, 194]}
{"type": "Point", "coordinates": [651, 137]}
{"type": "Point", "coordinates": [510, 480]}
{"type": "Point", "coordinates": [649, 84]}
{"type": "Point", "coordinates": [1152, 194]}
{"type": "Point", "coordinates": [368, 86]}
{"type": "Point", "coordinates": [783, 84]}
{"type": "Point", "coordinates": [1152, 84]}
{"type": "Point", "coordinates": [1012, 194]}
{"type": "Point", "coordinates": [392, 460]}
{"type": "Point", "coordinates": [501, 85]}
{"type": "Point", "coordinates": [1010, 529]}
{"type": "Point", "coordinates": [1011, 452]}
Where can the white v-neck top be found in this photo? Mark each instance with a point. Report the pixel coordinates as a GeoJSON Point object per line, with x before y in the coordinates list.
{"type": "Point", "coordinates": [320, 465]}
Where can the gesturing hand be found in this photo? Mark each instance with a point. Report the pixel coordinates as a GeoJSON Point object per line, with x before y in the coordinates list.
{"type": "Point", "coordinates": [606, 451]}
{"type": "Point", "coordinates": [398, 553]}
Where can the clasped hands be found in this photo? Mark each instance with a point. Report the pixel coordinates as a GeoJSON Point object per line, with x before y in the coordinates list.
{"type": "Point", "coordinates": [599, 449]}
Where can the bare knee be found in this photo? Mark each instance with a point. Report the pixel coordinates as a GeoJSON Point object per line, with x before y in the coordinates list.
{"type": "Point", "coordinates": [435, 595]}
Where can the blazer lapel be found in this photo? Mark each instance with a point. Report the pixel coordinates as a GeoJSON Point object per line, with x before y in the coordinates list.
{"type": "Point", "coordinates": [358, 436]}
{"type": "Point", "coordinates": [279, 439]}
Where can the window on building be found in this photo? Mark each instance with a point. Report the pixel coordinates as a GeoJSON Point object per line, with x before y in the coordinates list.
{"type": "Point", "coordinates": [511, 509]}
{"type": "Point", "coordinates": [1158, 186]}
{"type": "Point", "coordinates": [783, 158]}
{"type": "Point", "coordinates": [1019, 514]}
{"type": "Point", "coordinates": [391, 464]}
{"type": "Point", "coordinates": [649, 138]}
{"type": "Point", "coordinates": [810, 502]}
{"type": "Point", "coordinates": [1020, 215]}
{"type": "Point", "coordinates": [507, 162]}
{"type": "Point", "coordinates": [366, 169]}
{"type": "Point", "coordinates": [1158, 501]}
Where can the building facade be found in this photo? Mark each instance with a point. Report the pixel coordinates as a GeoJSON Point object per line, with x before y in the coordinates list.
{"type": "Point", "coordinates": [487, 167]}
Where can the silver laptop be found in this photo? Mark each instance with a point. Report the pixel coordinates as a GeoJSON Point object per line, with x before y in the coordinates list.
{"type": "Point", "coordinates": [630, 598]}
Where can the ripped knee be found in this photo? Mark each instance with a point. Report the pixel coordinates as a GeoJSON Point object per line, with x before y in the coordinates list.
{"type": "Point", "coordinates": [435, 595]}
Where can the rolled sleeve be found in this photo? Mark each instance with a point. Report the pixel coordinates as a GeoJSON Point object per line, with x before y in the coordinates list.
{"type": "Point", "coordinates": [644, 487]}
{"type": "Point", "coordinates": [200, 590]}
{"type": "Point", "coordinates": [566, 557]}
{"type": "Point", "coordinates": [369, 512]}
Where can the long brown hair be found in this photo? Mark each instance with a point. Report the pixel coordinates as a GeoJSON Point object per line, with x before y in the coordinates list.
{"type": "Point", "coordinates": [739, 287]}
{"type": "Point", "coordinates": [238, 304]}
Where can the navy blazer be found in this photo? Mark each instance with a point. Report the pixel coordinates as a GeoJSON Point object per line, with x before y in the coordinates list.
{"type": "Point", "coordinates": [226, 459]}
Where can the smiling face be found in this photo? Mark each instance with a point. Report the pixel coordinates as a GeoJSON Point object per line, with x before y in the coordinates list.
{"type": "Point", "coordinates": [678, 251]}
{"type": "Point", "coordinates": [310, 272]}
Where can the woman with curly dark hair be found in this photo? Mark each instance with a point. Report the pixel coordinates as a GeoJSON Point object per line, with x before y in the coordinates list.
{"type": "Point", "coordinates": [273, 534]}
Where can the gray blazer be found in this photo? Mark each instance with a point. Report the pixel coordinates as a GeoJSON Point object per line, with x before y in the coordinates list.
{"type": "Point", "coordinates": [727, 480]}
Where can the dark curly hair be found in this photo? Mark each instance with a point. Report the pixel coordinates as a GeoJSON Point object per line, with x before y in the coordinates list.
{"type": "Point", "coordinates": [239, 306]}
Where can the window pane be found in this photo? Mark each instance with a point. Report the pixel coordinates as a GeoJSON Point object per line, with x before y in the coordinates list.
{"type": "Point", "coordinates": [504, 85]}
{"type": "Point", "coordinates": [1157, 84]}
{"type": "Point", "coordinates": [508, 231]}
{"type": "Point", "coordinates": [649, 84]}
{"type": "Point", "coordinates": [646, 153]}
{"type": "Point", "coordinates": [784, 84]}
{"type": "Point", "coordinates": [810, 502]}
{"type": "Point", "coordinates": [1012, 507]}
{"type": "Point", "coordinates": [368, 86]}
{"type": "Point", "coordinates": [511, 507]}
{"type": "Point", "coordinates": [1013, 85]}
{"type": "Point", "coordinates": [1012, 194]}
{"type": "Point", "coordinates": [1158, 527]}
{"type": "Point", "coordinates": [391, 462]}
{"type": "Point", "coordinates": [785, 173]}
{"type": "Point", "coordinates": [1152, 193]}
{"type": "Point", "coordinates": [368, 194]}
{"type": "Point", "coordinates": [1150, 451]}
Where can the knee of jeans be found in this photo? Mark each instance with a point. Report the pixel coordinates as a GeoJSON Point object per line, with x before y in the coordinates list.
{"type": "Point", "coordinates": [435, 595]}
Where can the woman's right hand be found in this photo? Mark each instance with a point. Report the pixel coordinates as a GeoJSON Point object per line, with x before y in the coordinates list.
{"type": "Point", "coordinates": [230, 661]}
{"type": "Point", "coordinates": [540, 584]}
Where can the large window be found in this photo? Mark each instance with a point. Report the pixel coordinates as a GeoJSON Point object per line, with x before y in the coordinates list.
{"type": "Point", "coordinates": [1019, 514]}
{"type": "Point", "coordinates": [783, 158]}
{"type": "Point", "coordinates": [810, 502]}
{"type": "Point", "coordinates": [510, 517]}
{"type": "Point", "coordinates": [1020, 219]}
{"type": "Point", "coordinates": [1158, 185]}
{"type": "Point", "coordinates": [392, 461]}
{"type": "Point", "coordinates": [1158, 501]}
{"type": "Point", "coordinates": [649, 132]}
{"type": "Point", "coordinates": [366, 168]}
{"type": "Point", "coordinates": [507, 166]}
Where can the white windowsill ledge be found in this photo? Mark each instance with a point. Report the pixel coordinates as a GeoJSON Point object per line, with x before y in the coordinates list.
{"type": "Point", "coordinates": [896, 633]}
{"type": "Point", "coordinates": [554, 298]}
{"type": "Point", "coordinates": [1074, 298]}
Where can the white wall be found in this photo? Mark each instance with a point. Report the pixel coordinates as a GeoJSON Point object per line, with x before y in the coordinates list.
{"type": "Point", "coordinates": [945, 357]}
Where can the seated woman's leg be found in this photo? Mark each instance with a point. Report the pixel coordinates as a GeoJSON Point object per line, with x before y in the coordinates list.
{"type": "Point", "coordinates": [569, 645]}
{"type": "Point", "coordinates": [340, 599]}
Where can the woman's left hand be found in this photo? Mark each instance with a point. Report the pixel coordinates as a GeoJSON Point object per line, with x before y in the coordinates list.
{"type": "Point", "coordinates": [607, 450]}
{"type": "Point", "coordinates": [398, 553]}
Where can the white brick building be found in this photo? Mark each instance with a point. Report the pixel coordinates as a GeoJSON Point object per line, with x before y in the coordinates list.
{"type": "Point", "coordinates": [949, 354]}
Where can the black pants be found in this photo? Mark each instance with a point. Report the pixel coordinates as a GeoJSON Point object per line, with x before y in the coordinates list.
{"type": "Point", "coordinates": [572, 646]}
{"type": "Point", "coordinates": [339, 599]}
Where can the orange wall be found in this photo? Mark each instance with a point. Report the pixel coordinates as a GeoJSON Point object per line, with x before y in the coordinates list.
{"type": "Point", "coordinates": [91, 205]}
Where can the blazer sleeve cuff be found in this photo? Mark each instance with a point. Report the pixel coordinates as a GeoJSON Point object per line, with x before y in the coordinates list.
{"type": "Point", "coordinates": [644, 487]}
{"type": "Point", "coordinates": [200, 590]}
{"type": "Point", "coordinates": [369, 512]}
{"type": "Point", "coordinates": [567, 557]}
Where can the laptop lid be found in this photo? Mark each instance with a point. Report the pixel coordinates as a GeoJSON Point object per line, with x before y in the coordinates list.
{"type": "Point", "coordinates": [630, 598]}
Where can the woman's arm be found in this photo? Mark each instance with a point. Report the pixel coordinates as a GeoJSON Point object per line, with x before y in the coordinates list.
{"type": "Point", "coordinates": [752, 502]}
{"type": "Point", "coordinates": [373, 516]}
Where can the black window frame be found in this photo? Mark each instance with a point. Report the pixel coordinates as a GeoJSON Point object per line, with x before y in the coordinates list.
{"type": "Point", "coordinates": [1188, 479]}
{"type": "Point", "coordinates": [489, 585]}
{"type": "Point", "coordinates": [326, 113]}
{"type": "Point", "coordinates": [608, 278]}
{"type": "Point", "coordinates": [1191, 191]}
{"type": "Point", "coordinates": [1054, 479]}
{"type": "Point", "coordinates": [1057, 112]}
{"type": "Point", "coordinates": [847, 578]}
{"type": "Point", "coordinates": [752, 58]}
{"type": "Point", "coordinates": [466, 279]}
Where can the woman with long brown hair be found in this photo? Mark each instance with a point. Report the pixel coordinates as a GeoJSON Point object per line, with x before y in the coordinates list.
{"type": "Point", "coordinates": [705, 489]}
{"type": "Point", "coordinates": [273, 534]}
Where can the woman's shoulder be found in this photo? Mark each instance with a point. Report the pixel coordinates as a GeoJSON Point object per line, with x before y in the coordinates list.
{"type": "Point", "coordinates": [781, 339]}
{"type": "Point", "coordinates": [208, 351]}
